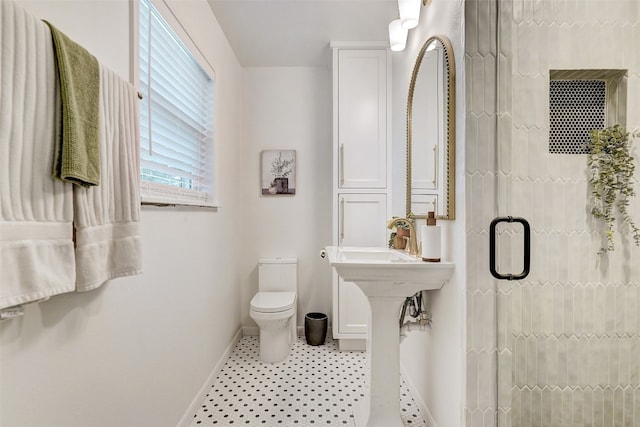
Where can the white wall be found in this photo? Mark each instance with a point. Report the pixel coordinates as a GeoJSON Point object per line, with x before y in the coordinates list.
{"type": "Point", "coordinates": [288, 108]}
{"type": "Point", "coordinates": [136, 351]}
{"type": "Point", "coordinates": [434, 360]}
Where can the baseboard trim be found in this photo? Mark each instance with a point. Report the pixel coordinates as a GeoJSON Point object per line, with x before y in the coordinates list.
{"type": "Point", "coordinates": [186, 419]}
{"type": "Point", "coordinates": [418, 398]}
{"type": "Point", "coordinates": [254, 331]}
{"type": "Point", "coordinates": [347, 344]}
{"type": "Point", "coordinates": [250, 331]}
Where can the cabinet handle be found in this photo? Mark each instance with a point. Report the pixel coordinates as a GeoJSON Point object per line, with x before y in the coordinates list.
{"type": "Point", "coordinates": [341, 219]}
{"type": "Point", "coordinates": [341, 165]}
{"type": "Point", "coordinates": [435, 163]}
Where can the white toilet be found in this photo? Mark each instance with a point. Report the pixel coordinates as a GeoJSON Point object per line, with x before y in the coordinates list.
{"type": "Point", "coordinates": [273, 308]}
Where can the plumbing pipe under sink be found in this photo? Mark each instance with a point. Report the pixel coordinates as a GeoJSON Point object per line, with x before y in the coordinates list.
{"type": "Point", "coordinates": [417, 311]}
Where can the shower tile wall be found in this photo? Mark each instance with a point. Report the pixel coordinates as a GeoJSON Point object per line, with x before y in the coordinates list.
{"type": "Point", "coordinates": [480, 63]}
{"type": "Point", "coordinates": [568, 340]}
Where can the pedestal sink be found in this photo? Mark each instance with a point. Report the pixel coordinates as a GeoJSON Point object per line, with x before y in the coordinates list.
{"type": "Point", "coordinates": [386, 277]}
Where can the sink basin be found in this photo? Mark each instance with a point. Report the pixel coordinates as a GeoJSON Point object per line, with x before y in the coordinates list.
{"type": "Point", "coordinates": [382, 271]}
{"type": "Point", "coordinates": [387, 277]}
{"type": "Point", "coordinates": [372, 254]}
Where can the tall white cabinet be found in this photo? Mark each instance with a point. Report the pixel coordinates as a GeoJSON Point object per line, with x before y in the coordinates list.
{"type": "Point", "coordinates": [362, 173]}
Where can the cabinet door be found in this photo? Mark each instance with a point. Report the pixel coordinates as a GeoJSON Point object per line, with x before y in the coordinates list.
{"type": "Point", "coordinates": [362, 118]}
{"type": "Point", "coordinates": [362, 222]}
{"type": "Point", "coordinates": [362, 219]}
{"type": "Point", "coordinates": [353, 309]}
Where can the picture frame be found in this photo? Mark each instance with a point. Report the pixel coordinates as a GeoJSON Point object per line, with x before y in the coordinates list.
{"type": "Point", "coordinates": [278, 172]}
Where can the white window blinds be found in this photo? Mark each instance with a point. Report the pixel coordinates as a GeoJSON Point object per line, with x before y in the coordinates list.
{"type": "Point", "coordinates": [176, 116]}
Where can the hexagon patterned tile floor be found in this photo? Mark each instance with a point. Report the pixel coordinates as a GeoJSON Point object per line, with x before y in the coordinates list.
{"type": "Point", "coordinates": [315, 385]}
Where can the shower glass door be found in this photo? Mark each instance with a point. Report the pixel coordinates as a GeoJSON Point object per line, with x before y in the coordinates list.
{"type": "Point", "coordinates": [568, 340]}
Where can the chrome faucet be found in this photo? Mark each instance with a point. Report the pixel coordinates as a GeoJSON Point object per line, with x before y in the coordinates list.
{"type": "Point", "coordinates": [413, 243]}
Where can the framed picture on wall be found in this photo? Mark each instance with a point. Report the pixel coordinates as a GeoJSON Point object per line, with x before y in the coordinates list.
{"type": "Point", "coordinates": [278, 172]}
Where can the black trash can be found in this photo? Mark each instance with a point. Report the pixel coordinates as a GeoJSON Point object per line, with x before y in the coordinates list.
{"type": "Point", "coordinates": [315, 328]}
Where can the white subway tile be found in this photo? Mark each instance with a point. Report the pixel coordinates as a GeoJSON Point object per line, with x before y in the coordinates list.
{"type": "Point", "coordinates": [631, 310]}
{"type": "Point", "coordinates": [532, 361]}
{"type": "Point", "coordinates": [590, 312]}
{"type": "Point", "coordinates": [472, 379]}
{"type": "Point", "coordinates": [471, 27]}
{"type": "Point", "coordinates": [504, 324]}
{"type": "Point", "coordinates": [505, 150]}
{"type": "Point", "coordinates": [486, 27]}
{"type": "Point", "coordinates": [621, 296]}
{"type": "Point", "coordinates": [487, 381]}
{"type": "Point", "coordinates": [518, 10]}
{"type": "Point", "coordinates": [516, 310]}
{"type": "Point", "coordinates": [546, 407]}
{"type": "Point", "coordinates": [628, 406]}
{"type": "Point", "coordinates": [563, 357]}
{"type": "Point", "coordinates": [552, 360]}
{"type": "Point", "coordinates": [588, 407]}
{"type": "Point", "coordinates": [486, 151]}
{"type": "Point", "coordinates": [618, 407]}
{"type": "Point", "coordinates": [582, 362]}
{"type": "Point", "coordinates": [556, 407]}
{"type": "Point", "coordinates": [613, 350]}
{"type": "Point", "coordinates": [578, 409]}
{"type": "Point", "coordinates": [477, 85]}
{"type": "Point", "coordinates": [568, 309]}
{"type": "Point", "coordinates": [490, 83]}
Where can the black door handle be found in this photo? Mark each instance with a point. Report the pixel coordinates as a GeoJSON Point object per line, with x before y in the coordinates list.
{"type": "Point", "coordinates": [492, 248]}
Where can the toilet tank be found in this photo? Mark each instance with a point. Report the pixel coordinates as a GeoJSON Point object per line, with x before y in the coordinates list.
{"type": "Point", "coordinates": [278, 274]}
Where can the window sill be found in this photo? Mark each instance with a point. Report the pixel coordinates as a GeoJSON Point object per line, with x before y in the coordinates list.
{"type": "Point", "coordinates": [153, 194]}
{"type": "Point", "coordinates": [150, 201]}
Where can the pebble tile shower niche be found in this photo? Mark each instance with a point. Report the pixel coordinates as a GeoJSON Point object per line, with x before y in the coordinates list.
{"type": "Point", "coordinates": [580, 101]}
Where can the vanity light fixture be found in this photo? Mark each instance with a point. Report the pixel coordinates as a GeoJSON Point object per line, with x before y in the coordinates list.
{"type": "Point", "coordinates": [409, 13]}
{"type": "Point", "coordinates": [397, 35]}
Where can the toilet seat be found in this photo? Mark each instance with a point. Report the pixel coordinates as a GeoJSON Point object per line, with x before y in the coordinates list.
{"type": "Point", "coordinates": [273, 302]}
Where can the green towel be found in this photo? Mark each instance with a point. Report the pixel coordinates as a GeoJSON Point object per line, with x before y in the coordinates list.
{"type": "Point", "coordinates": [77, 156]}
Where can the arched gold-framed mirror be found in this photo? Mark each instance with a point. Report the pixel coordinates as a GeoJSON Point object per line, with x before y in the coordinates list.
{"type": "Point", "coordinates": [431, 145]}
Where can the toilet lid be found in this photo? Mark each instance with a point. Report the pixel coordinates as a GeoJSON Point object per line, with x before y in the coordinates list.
{"type": "Point", "coordinates": [273, 302]}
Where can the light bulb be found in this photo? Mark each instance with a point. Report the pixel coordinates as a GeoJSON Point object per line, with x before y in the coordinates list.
{"type": "Point", "coordinates": [397, 35]}
{"type": "Point", "coordinates": [409, 13]}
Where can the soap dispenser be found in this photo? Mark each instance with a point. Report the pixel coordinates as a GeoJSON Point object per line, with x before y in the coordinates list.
{"type": "Point", "coordinates": [430, 239]}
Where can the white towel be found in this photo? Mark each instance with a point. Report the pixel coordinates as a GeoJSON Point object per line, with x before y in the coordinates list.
{"type": "Point", "coordinates": [36, 212]}
{"type": "Point", "coordinates": [107, 216]}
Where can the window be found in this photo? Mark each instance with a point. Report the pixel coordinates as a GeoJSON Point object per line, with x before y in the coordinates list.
{"type": "Point", "coordinates": [176, 116]}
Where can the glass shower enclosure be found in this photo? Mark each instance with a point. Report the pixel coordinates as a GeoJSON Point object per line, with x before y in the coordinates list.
{"type": "Point", "coordinates": [565, 346]}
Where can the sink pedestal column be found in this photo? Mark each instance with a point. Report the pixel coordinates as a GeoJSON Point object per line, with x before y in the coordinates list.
{"type": "Point", "coordinates": [384, 361]}
{"type": "Point", "coordinates": [386, 277]}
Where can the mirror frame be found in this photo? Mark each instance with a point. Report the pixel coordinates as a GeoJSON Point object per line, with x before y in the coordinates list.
{"type": "Point", "coordinates": [450, 202]}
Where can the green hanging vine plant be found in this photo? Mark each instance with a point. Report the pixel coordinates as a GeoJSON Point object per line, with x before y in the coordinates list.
{"type": "Point", "coordinates": [611, 170]}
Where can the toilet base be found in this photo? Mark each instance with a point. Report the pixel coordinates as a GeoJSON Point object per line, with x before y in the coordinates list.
{"type": "Point", "coordinates": [275, 342]}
